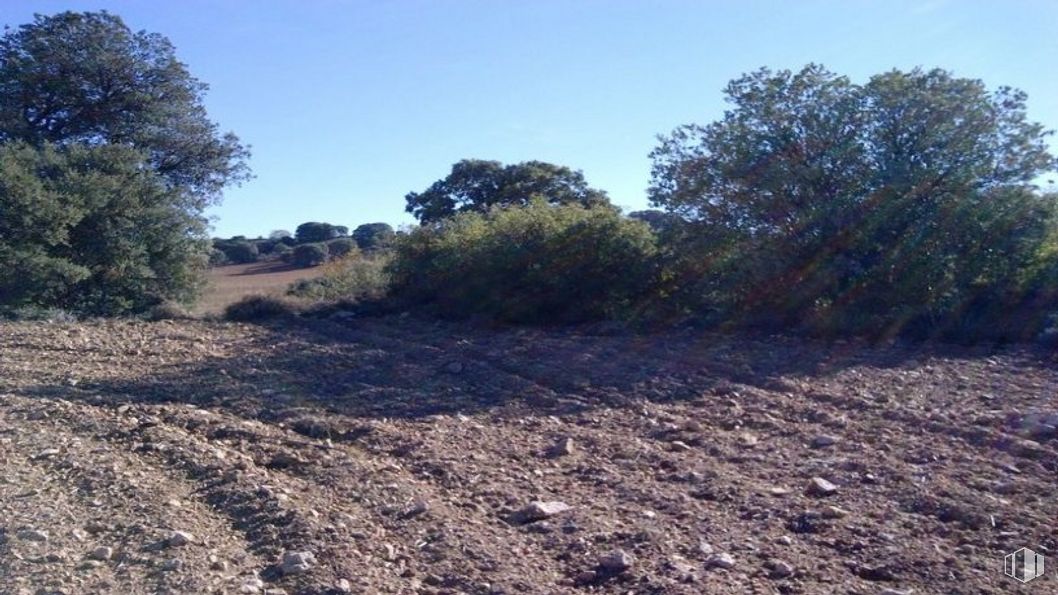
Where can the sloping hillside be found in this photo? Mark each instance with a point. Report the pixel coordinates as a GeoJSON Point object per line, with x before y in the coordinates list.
{"type": "Point", "coordinates": [397, 455]}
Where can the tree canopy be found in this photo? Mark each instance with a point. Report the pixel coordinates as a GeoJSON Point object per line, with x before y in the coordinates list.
{"type": "Point", "coordinates": [477, 185]}
{"type": "Point", "coordinates": [107, 161]}
{"type": "Point", "coordinates": [373, 236]}
{"type": "Point", "coordinates": [314, 231]}
{"type": "Point", "coordinates": [89, 229]}
{"type": "Point", "coordinates": [900, 198]}
{"type": "Point", "coordinates": [86, 78]}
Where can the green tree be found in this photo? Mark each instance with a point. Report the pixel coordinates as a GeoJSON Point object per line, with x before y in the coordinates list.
{"type": "Point", "coordinates": [537, 263]}
{"type": "Point", "coordinates": [86, 78]}
{"type": "Point", "coordinates": [373, 236]}
{"type": "Point", "coordinates": [313, 232]}
{"type": "Point", "coordinates": [93, 230]}
{"type": "Point", "coordinates": [477, 185]}
{"type": "Point", "coordinates": [309, 255]}
{"type": "Point", "coordinates": [898, 200]}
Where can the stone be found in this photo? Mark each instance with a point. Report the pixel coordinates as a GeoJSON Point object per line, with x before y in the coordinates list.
{"type": "Point", "coordinates": [616, 561]}
{"type": "Point", "coordinates": [784, 540]}
{"type": "Point", "coordinates": [454, 367]}
{"type": "Point", "coordinates": [417, 508]}
{"type": "Point", "coordinates": [780, 569]}
{"type": "Point", "coordinates": [172, 564]}
{"type": "Point", "coordinates": [538, 511]}
{"type": "Point", "coordinates": [252, 585]}
{"type": "Point", "coordinates": [833, 512]}
{"type": "Point", "coordinates": [821, 487]}
{"type": "Point", "coordinates": [891, 591]}
{"type": "Point", "coordinates": [679, 446]}
{"type": "Point", "coordinates": [563, 447]}
{"type": "Point", "coordinates": [33, 535]}
{"type": "Point", "coordinates": [748, 439]}
{"type": "Point", "coordinates": [179, 538]}
{"type": "Point", "coordinates": [101, 553]}
{"type": "Point", "coordinates": [296, 562]}
{"type": "Point", "coordinates": [721, 560]}
{"type": "Point", "coordinates": [343, 586]}
{"type": "Point", "coordinates": [824, 440]}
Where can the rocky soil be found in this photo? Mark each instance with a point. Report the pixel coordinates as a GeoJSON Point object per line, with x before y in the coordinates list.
{"type": "Point", "coordinates": [399, 455]}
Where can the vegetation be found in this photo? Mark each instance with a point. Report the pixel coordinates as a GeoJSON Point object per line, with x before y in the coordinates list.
{"type": "Point", "coordinates": [374, 236]}
{"type": "Point", "coordinates": [477, 185]}
{"type": "Point", "coordinates": [354, 277]}
{"type": "Point", "coordinates": [904, 205]}
{"type": "Point", "coordinates": [312, 232]}
{"type": "Point", "coordinates": [93, 231]}
{"type": "Point", "coordinates": [107, 161]}
{"type": "Point", "coordinates": [341, 247]}
{"type": "Point", "coordinates": [537, 263]}
{"type": "Point", "coordinates": [259, 307]}
{"type": "Point", "coordinates": [309, 255]}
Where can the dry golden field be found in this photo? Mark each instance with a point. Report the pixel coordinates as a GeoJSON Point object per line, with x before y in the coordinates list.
{"type": "Point", "coordinates": [227, 284]}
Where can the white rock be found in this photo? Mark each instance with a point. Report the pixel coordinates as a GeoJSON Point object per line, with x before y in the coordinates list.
{"type": "Point", "coordinates": [538, 511]}
{"type": "Point", "coordinates": [721, 560]}
{"type": "Point", "coordinates": [179, 538]}
{"type": "Point", "coordinates": [616, 561]}
{"type": "Point", "coordinates": [821, 487]}
{"type": "Point", "coordinates": [296, 562]}
{"type": "Point", "coordinates": [780, 569]}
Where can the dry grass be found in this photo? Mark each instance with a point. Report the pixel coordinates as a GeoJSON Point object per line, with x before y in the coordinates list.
{"type": "Point", "coordinates": [229, 284]}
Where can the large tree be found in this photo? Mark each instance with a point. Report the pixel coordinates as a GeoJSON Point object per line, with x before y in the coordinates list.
{"type": "Point", "coordinates": [477, 185]}
{"type": "Point", "coordinates": [107, 161]}
{"type": "Point", "coordinates": [908, 194]}
{"type": "Point", "coordinates": [86, 78]}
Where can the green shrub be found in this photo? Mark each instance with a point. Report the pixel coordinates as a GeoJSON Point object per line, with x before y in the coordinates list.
{"type": "Point", "coordinates": [218, 258]}
{"type": "Point", "coordinates": [340, 247]}
{"type": "Point", "coordinates": [537, 263]}
{"type": "Point", "coordinates": [239, 251]}
{"type": "Point", "coordinates": [354, 277]}
{"type": "Point", "coordinates": [283, 251]}
{"type": "Point", "coordinates": [309, 255]}
{"type": "Point", "coordinates": [168, 311]}
{"type": "Point", "coordinates": [259, 307]}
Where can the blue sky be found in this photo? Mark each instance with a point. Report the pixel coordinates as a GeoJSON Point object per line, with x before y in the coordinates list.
{"type": "Point", "coordinates": [349, 104]}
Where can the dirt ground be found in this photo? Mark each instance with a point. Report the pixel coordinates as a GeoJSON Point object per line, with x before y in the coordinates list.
{"type": "Point", "coordinates": [400, 455]}
{"type": "Point", "coordinates": [229, 284]}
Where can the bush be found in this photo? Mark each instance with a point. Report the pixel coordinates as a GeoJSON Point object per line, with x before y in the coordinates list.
{"type": "Point", "coordinates": [354, 277]}
{"type": "Point", "coordinates": [340, 247]}
{"type": "Point", "coordinates": [283, 251]}
{"type": "Point", "coordinates": [37, 314]}
{"type": "Point", "coordinates": [92, 230]}
{"type": "Point", "coordinates": [217, 258]}
{"type": "Point", "coordinates": [537, 263]}
{"type": "Point", "coordinates": [168, 311]}
{"type": "Point", "coordinates": [309, 255]}
{"type": "Point", "coordinates": [239, 251]}
{"type": "Point", "coordinates": [259, 307]}
{"type": "Point", "coordinates": [373, 236]}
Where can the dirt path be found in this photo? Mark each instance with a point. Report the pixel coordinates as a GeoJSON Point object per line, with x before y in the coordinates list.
{"type": "Point", "coordinates": [398, 453]}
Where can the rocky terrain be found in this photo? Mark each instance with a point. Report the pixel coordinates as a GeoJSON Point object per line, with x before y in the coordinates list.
{"type": "Point", "coordinates": [400, 455]}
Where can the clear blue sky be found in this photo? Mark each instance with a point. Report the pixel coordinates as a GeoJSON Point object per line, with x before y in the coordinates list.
{"type": "Point", "coordinates": [349, 105]}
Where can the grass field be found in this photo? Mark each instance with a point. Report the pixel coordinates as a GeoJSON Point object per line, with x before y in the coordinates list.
{"type": "Point", "coordinates": [228, 284]}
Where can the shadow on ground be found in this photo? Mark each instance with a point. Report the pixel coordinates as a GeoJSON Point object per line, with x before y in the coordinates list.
{"type": "Point", "coordinates": [407, 367]}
